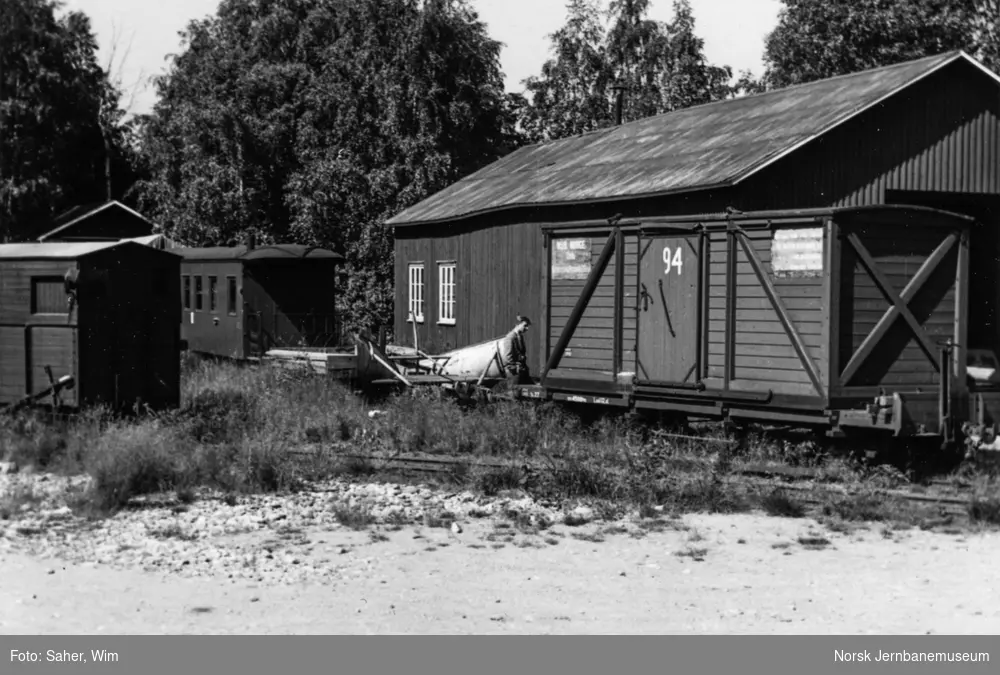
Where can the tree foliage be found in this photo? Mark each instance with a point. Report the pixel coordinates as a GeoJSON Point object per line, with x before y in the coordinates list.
{"type": "Point", "coordinates": [817, 39]}
{"type": "Point", "coordinates": [317, 120]}
{"type": "Point", "coordinates": [54, 98]}
{"type": "Point", "coordinates": [987, 32]}
{"type": "Point", "coordinates": [570, 96]}
{"type": "Point", "coordinates": [659, 67]}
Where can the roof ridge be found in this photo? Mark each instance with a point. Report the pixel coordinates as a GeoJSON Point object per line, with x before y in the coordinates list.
{"type": "Point", "coordinates": [943, 56]}
{"type": "Point", "coordinates": [768, 125]}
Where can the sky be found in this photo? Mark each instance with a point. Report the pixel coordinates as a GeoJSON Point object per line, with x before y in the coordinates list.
{"type": "Point", "coordinates": [146, 32]}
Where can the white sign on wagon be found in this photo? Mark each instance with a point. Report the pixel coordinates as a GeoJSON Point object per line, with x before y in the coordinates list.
{"type": "Point", "coordinates": [797, 252]}
{"type": "Point", "coordinates": [571, 258]}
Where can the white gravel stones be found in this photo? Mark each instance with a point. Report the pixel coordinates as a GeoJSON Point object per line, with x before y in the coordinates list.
{"type": "Point", "coordinates": [260, 537]}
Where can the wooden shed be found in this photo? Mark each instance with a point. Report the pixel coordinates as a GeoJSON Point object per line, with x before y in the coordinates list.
{"type": "Point", "coordinates": [104, 313]}
{"type": "Point", "coordinates": [472, 257]}
{"type": "Point", "coordinates": [239, 302]}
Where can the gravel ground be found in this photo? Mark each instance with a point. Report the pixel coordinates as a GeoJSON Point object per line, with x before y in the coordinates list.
{"type": "Point", "coordinates": [286, 565]}
{"type": "Point", "coordinates": [265, 538]}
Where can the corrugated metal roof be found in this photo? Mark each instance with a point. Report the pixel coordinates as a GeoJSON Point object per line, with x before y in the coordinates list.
{"type": "Point", "coordinates": [55, 250]}
{"type": "Point", "coordinates": [703, 147]}
{"type": "Point", "coordinates": [275, 252]}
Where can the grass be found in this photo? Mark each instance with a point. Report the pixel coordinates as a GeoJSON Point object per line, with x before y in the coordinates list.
{"type": "Point", "coordinates": [778, 503]}
{"type": "Point", "coordinates": [354, 516]}
{"type": "Point", "coordinates": [244, 430]}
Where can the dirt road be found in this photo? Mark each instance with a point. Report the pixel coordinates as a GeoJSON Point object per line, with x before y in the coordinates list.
{"type": "Point", "coordinates": [722, 574]}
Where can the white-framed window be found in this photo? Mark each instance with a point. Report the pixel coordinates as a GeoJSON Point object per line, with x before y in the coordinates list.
{"type": "Point", "coordinates": [446, 293]}
{"type": "Point", "coordinates": [416, 308]}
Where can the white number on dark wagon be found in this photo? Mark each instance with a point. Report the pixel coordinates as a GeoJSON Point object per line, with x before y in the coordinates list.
{"type": "Point", "coordinates": [673, 261]}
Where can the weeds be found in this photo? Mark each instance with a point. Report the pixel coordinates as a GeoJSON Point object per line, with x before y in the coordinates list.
{"type": "Point", "coordinates": [985, 509]}
{"type": "Point", "coordinates": [353, 516]}
{"type": "Point", "coordinates": [248, 430]}
{"type": "Point", "coordinates": [778, 503]}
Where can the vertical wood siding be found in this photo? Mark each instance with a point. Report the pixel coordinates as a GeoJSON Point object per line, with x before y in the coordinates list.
{"type": "Point", "coordinates": [941, 134]}
{"type": "Point", "coordinates": [762, 356]}
{"type": "Point", "coordinates": [123, 330]}
{"type": "Point", "coordinates": [898, 359]}
{"type": "Point", "coordinates": [498, 275]}
{"type": "Point", "coordinates": [130, 335]}
{"type": "Point", "coordinates": [590, 351]}
{"type": "Point", "coordinates": [55, 347]}
{"type": "Point", "coordinates": [21, 347]}
{"type": "Point", "coordinates": [13, 363]}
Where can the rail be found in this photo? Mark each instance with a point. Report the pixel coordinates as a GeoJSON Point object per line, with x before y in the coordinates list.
{"type": "Point", "coordinates": [808, 482]}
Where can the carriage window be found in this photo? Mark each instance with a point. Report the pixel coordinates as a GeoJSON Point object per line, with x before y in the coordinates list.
{"type": "Point", "coordinates": [186, 293]}
{"type": "Point", "coordinates": [231, 296]}
{"type": "Point", "coordinates": [446, 293]}
{"type": "Point", "coordinates": [416, 306]}
{"type": "Point", "coordinates": [198, 294]}
{"type": "Point", "coordinates": [213, 294]}
{"type": "Point", "coordinates": [48, 296]}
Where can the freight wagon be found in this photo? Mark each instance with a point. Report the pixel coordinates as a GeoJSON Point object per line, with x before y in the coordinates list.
{"type": "Point", "coordinates": [240, 302]}
{"type": "Point", "coordinates": [101, 313]}
{"type": "Point", "coordinates": [842, 318]}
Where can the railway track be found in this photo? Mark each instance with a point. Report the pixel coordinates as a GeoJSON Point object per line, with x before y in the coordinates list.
{"type": "Point", "coordinates": [809, 485]}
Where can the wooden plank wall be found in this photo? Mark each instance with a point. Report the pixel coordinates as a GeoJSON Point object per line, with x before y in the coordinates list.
{"type": "Point", "coordinates": [899, 252]}
{"type": "Point", "coordinates": [499, 275]}
{"type": "Point", "coordinates": [590, 352]}
{"type": "Point", "coordinates": [55, 347]}
{"type": "Point", "coordinates": [942, 134]}
{"type": "Point", "coordinates": [130, 345]}
{"type": "Point", "coordinates": [762, 357]}
{"type": "Point", "coordinates": [13, 364]}
{"type": "Point", "coordinates": [15, 314]}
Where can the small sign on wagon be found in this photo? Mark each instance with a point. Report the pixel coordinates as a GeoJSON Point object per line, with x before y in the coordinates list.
{"type": "Point", "coordinates": [571, 258]}
{"type": "Point", "coordinates": [797, 252]}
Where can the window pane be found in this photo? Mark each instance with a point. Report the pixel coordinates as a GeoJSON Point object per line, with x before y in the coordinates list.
{"type": "Point", "coordinates": [213, 288]}
{"type": "Point", "coordinates": [417, 292]}
{"type": "Point", "coordinates": [198, 294]}
{"type": "Point", "coordinates": [231, 294]}
{"type": "Point", "coordinates": [187, 292]}
{"type": "Point", "coordinates": [446, 292]}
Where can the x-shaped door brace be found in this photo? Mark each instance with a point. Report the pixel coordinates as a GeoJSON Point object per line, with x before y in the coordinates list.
{"type": "Point", "coordinates": [899, 304]}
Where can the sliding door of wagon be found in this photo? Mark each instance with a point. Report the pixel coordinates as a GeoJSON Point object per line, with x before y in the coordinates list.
{"type": "Point", "coordinates": [669, 295]}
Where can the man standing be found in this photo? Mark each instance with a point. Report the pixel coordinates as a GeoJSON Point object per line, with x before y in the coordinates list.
{"type": "Point", "coordinates": [516, 366]}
